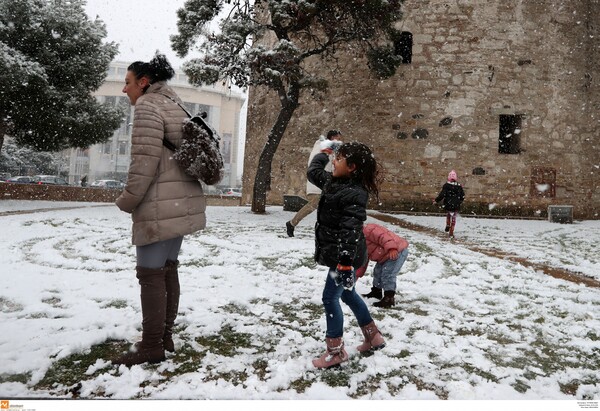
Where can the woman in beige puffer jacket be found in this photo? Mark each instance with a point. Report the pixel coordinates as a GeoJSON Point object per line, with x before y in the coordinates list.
{"type": "Point", "coordinates": [164, 202]}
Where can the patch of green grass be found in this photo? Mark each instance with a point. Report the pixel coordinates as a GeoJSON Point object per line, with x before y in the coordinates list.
{"type": "Point", "coordinates": [336, 377]}
{"type": "Point", "coordinates": [471, 369]}
{"type": "Point", "coordinates": [36, 316]}
{"type": "Point", "coordinates": [416, 310]}
{"type": "Point", "coordinates": [260, 368]}
{"type": "Point", "coordinates": [9, 306]}
{"type": "Point", "coordinates": [520, 386]}
{"type": "Point", "coordinates": [69, 371]}
{"type": "Point", "coordinates": [571, 387]}
{"type": "Point", "coordinates": [501, 338]}
{"type": "Point", "coordinates": [305, 315]}
{"type": "Point", "coordinates": [22, 378]}
{"type": "Point", "coordinates": [226, 342]}
{"type": "Point", "coordinates": [233, 308]}
{"type": "Point", "coordinates": [300, 385]}
{"type": "Point", "coordinates": [187, 360]}
{"type": "Point", "coordinates": [592, 336]}
{"type": "Point", "coordinates": [234, 377]}
{"type": "Point", "coordinates": [117, 303]}
{"type": "Point", "coordinates": [53, 301]}
{"type": "Point", "coordinates": [469, 331]}
{"type": "Point", "coordinates": [421, 248]}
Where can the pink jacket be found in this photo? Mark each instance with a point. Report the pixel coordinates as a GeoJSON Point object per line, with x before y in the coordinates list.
{"type": "Point", "coordinates": [380, 241]}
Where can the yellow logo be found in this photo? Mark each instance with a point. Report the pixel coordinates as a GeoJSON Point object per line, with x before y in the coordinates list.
{"type": "Point", "coordinates": [4, 404]}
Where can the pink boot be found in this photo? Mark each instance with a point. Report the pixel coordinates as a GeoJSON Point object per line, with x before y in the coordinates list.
{"type": "Point", "coordinates": [373, 338]}
{"type": "Point", "coordinates": [334, 355]}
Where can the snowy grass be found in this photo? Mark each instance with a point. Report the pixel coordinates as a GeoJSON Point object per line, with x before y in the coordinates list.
{"type": "Point", "coordinates": [466, 325]}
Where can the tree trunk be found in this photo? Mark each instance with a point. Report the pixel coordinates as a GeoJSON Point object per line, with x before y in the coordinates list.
{"type": "Point", "coordinates": [3, 129]}
{"type": "Point", "coordinates": [262, 180]}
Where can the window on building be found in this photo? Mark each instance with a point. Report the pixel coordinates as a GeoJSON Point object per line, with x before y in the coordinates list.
{"type": "Point", "coordinates": [122, 147]}
{"type": "Point", "coordinates": [509, 140]}
{"type": "Point", "coordinates": [403, 46]}
{"type": "Point", "coordinates": [543, 182]}
{"type": "Point", "coordinates": [106, 148]}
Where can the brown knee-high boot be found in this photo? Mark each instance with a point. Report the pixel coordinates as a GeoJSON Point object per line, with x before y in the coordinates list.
{"type": "Point", "coordinates": [153, 296]}
{"type": "Point", "coordinates": [173, 291]}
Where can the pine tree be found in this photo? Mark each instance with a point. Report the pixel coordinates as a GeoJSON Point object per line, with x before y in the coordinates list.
{"type": "Point", "coordinates": [51, 59]}
{"type": "Point", "coordinates": [267, 43]}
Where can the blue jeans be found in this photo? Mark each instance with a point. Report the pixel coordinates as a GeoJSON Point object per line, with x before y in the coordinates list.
{"type": "Point", "coordinates": [333, 310]}
{"type": "Point", "coordinates": [384, 274]}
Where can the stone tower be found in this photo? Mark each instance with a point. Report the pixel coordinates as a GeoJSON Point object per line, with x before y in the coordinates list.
{"type": "Point", "coordinates": [505, 92]}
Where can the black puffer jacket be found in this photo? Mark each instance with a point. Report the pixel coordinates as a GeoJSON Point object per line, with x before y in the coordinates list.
{"type": "Point", "coordinates": [342, 210]}
{"type": "Point", "coordinates": [453, 195]}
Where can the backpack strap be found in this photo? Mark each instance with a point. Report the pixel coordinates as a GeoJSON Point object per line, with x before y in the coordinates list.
{"type": "Point", "coordinates": [166, 142]}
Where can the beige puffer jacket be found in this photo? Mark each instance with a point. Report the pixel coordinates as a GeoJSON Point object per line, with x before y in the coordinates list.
{"type": "Point", "coordinates": [164, 201]}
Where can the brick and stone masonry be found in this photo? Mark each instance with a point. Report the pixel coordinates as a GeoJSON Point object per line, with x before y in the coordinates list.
{"type": "Point", "coordinates": [506, 92]}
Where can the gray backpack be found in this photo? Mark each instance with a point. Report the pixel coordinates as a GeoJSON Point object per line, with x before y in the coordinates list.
{"type": "Point", "coordinates": [198, 154]}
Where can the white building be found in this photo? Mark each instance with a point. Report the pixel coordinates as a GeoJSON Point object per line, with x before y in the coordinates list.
{"type": "Point", "coordinates": [110, 160]}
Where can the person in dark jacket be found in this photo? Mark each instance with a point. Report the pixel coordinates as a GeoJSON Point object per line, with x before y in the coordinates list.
{"type": "Point", "coordinates": [452, 195]}
{"type": "Point", "coordinates": [340, 242]}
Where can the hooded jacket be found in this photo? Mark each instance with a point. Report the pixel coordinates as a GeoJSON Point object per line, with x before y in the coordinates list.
{"type": "Point", "coordinates": [342, 210]}
{"type": "Point", "coordinates": [164, 202]}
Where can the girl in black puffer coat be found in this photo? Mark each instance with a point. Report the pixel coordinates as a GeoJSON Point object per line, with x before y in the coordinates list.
{"type": "Point", "coordinates": [340, 243]}
{"type": "Point", "coordinates": [452, 195]}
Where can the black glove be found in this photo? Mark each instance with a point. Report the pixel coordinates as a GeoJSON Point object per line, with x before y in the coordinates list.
{"type": "Point", "coordinates": [345, 276]}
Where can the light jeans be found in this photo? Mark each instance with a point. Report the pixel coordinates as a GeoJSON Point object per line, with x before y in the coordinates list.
{"type": "Point", "coordinates": [384, 274]}
{"type": "Point", "coordinates": [313, 203]}
{"type": "Point", "coordinates": [332, 294]}
{"type": "Point", "coordinates": [155, 255]}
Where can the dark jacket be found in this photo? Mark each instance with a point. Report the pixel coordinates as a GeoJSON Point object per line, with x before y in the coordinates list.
{"type": "Point", "coordinates": [340, 215]}
{"type": "Point", "coordinates": [453, 195]}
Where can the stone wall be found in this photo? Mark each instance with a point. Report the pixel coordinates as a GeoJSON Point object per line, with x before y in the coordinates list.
{"type": "Point", "coordinates": [472, 62]}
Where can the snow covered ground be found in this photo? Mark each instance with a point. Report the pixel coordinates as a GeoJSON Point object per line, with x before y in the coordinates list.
{"type": "Point", "coordinates": [466, 325]}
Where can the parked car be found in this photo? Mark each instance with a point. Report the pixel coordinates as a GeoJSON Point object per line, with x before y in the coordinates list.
{"type": "Point", "coordinates": [114, 184]}
{"type": "Point", "coordinates": [232, 192]}
{"type": "Point", "coordinates": [51, 180]}
{"type": "Point", "coordinates": [20, 180]}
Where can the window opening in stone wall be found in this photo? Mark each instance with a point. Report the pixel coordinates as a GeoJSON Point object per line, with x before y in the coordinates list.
{"type": "Point", "coordinates": [403, 46]}
{"type": "Point", "coordinates": [543, 182]}
{"type": "Point", "coordinates": [509, 141]}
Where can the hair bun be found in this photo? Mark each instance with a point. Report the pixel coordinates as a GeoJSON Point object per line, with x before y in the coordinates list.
{"type": "Point", "coordinates": [161, 68]}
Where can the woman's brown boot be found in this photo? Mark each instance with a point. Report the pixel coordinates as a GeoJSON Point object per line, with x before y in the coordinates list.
{"type": "Point", "coordinates": [173, 291]}
{"type": "Point", "coordinates": [154, 300]}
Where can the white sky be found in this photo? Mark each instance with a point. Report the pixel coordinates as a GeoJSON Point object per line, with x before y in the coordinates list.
{"type": "Point", "coordinates": [139, 27]}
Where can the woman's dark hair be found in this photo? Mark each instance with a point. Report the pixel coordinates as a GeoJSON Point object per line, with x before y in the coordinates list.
{"type": "Point", "coordinates": [157, 69]}
{"type": "Point", "coordinates": [367, 169]}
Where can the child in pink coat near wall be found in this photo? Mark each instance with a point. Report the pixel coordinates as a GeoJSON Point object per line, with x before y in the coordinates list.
{"type": "Point", "coordinates": [389, 251]}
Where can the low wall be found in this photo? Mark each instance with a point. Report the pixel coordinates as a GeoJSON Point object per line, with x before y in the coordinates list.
{"type": "Point", "coordinates": [10, 191]}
